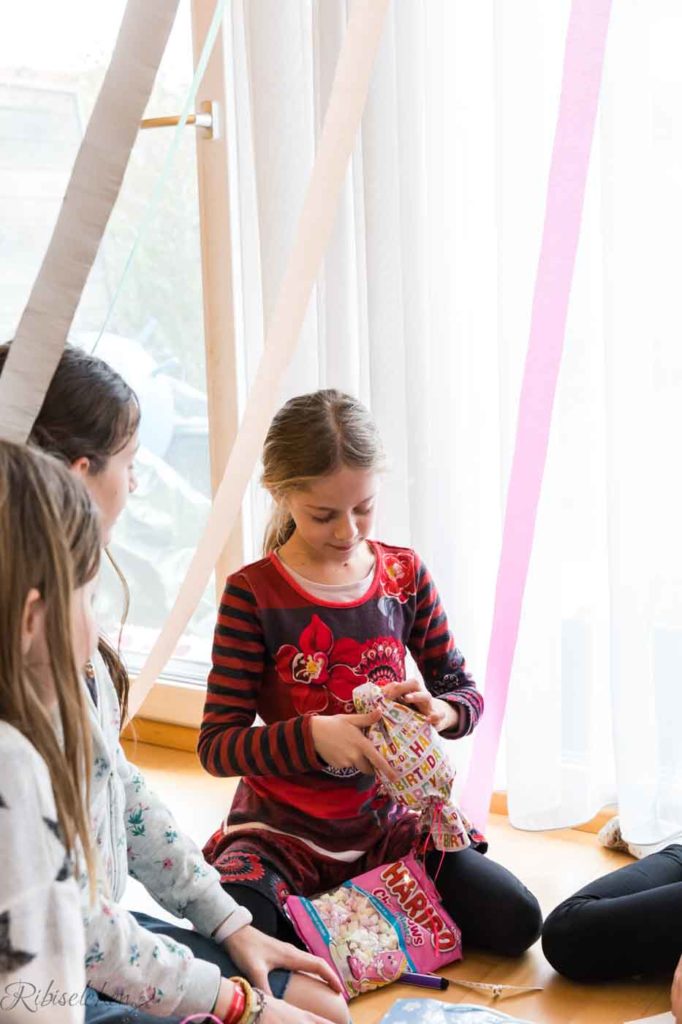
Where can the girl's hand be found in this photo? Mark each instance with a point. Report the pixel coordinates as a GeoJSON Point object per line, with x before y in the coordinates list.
{"type": "Point", "coordinates": [440, 713]}
{"type": "Point", "coordinates": [256, 954]}
{"type": "Point", "coordinates": [676, 994]}
{"type": "Point", "coordinates": [340, 741]}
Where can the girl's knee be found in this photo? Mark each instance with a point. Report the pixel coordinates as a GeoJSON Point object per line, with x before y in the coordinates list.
{"type": "Point", "coordinates": [521, 929]}
{"type": "Point", "coordinates": [563, 943]}
{"type": "Point", "coordinates": [674, 851]}
{"type": "Point", "coordinates": [508, 927]}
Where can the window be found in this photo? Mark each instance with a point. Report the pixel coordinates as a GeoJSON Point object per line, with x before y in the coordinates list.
{"type": "Point", "coordinates": [155, 336]}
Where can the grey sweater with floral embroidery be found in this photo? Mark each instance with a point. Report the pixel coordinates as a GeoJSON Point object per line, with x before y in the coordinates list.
{"type": "Point", "coordinates": [136, 834]}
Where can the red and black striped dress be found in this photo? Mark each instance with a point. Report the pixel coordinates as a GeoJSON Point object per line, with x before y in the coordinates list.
{"type": "Point", "coordinates": [297, 824]}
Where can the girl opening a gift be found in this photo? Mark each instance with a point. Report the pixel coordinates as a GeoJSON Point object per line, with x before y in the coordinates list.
{"type": "Point", "coordinates": [325, 611]}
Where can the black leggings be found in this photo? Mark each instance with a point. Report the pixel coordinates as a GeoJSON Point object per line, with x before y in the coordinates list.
{"type": "Point", "coordinates": [492, 908]}
{"type": "Point", "coordinates": [624, 924]}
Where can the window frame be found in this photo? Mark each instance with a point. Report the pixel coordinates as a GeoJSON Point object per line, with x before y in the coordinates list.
{"type": "Point", "coordinates": [173, 699]}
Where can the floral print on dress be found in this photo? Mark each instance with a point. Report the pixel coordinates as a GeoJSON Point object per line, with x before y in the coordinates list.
{"type": "Point", "coordinates": [136, 820]}
{"type": "Point", "coordinates": [398, 579]}
{"type": "Point", "coordinates": [323, 672]}
{"type": "Point", "coordinates": [101, 767]}
{"type": "Point", "coordinates": [137, 782]}
{"type": "Point", "coordinates": [151, 996]}
{"type": "Point", "coordinates": [170, 835]}
{"type": "Point", "coordinates": [109, 912]}
{"type": "Point", "coordinates": [379, 661]}
{"type": "Point", "coordinates": [176, 949]}
{"type": "Point", "coordinates": [237, 866]}
{"type": "Point", "coordinates": [94, 955]}
{"type": "Point", "coordinates": [318, 662]}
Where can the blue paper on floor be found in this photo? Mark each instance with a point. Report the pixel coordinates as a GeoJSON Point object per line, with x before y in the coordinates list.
{"type": "Point", "coordinates": [432, 1011]}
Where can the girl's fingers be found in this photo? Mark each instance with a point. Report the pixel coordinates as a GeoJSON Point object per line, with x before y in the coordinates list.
{"type": "Point", "coordinates": [259, 979]}
{"type": "Point", "coordinates": [379, 763]}
{"type": "Point", "coordinates": [423, 703]}
{"type": "Point", "coordinates": [364, 721]}
{"type": "Point", "coordinates": [309, 964]}
{"type": "Point", "coordinates": [396, 691]}
{"type": "Point", "coordinates": [419, 697]}
{"type": "Point", "coordinates": [363, 765]}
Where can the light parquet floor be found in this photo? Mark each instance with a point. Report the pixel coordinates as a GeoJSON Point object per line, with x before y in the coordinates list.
{"type": "Point", "coordinates": [552, 864]}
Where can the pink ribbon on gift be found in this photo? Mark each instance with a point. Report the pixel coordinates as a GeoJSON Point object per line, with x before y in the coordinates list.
{"type": "Point", "coordinates": [583, 64]}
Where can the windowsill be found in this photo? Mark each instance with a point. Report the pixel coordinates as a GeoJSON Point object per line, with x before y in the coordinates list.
{"type": "Point", "coordinates": [174, 702]}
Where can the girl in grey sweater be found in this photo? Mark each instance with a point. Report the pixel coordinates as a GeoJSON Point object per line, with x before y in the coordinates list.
{"type": "Point", "coordinates": [49, 553]}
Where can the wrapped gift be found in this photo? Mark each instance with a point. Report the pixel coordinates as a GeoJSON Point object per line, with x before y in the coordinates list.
{"type": "Point", "coordinates": [410, 745]}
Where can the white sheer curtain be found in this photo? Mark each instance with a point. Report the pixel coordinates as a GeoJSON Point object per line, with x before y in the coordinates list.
{"type": "Point", "coordinates": [422, 309]}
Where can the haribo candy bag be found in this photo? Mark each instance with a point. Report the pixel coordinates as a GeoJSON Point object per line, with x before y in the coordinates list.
{"type": "Point", "coordinates": [377, 926]}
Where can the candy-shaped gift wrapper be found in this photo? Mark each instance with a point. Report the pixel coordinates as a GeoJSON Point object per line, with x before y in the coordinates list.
{"type": "Point", "coordinates": [414, 749]}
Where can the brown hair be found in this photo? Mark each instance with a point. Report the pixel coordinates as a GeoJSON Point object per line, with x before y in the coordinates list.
{"type": "Point", "coordinates": [49, 540]}
{"type": "Point", "coordinates": [314, 435]}
{"type": "Point", "coordinates": [88, 410]}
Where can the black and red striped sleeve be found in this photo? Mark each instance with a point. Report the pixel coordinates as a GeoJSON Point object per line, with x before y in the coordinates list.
{"type": "Point", "coordinates": [229, 742]}
{"type": "Point", "coordinates": [441, 663]}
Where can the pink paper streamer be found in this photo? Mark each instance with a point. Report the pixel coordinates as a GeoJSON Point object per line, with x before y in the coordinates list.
{"type": "Point", "coordinates": [583, 64]}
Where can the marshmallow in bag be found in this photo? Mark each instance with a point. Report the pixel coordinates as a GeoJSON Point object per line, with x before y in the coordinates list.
{"type": "Point", "coordinates": [415, 750]}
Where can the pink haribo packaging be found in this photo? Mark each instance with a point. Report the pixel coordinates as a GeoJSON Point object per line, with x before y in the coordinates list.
{"type": "Point", "coordinates": [375, 927]}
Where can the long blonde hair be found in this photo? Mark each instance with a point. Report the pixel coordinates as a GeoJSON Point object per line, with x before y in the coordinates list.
{"type": "Point", "coordinates": [311, 436]}
{"type": "Point", "coordinates": [50, 541]}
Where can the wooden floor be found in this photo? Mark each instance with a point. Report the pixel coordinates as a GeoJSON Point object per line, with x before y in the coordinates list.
{"type": "Point", "coordinates": [552, 864]}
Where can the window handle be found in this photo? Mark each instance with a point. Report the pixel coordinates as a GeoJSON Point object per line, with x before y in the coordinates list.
{"type": "Point", "coordinates": [206, 119]}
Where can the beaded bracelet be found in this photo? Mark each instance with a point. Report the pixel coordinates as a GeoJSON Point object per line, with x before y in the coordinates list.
{"type": "Point", "coordinates": [260, 1002]}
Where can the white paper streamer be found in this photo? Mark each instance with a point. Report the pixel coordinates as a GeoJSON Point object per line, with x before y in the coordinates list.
{"type": "Point", "coordinates": [344, 113]}
{"type": "Point", "coordinates": [152, 207]}
{"type": "Point", "coordinates": [90, 196]}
